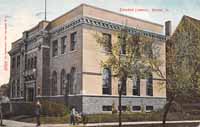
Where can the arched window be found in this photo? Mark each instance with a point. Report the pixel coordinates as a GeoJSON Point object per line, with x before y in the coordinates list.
{"type": "Point", "coordinates": [72, 81]}
{"type": "Point", "coordinates": [136, 85]}
{"type": "Point", "coordinates": [106, 81]}
{"type": "Point", "coordinates": [54, 84]}
{"type": "Point", "coordinates": [18, 88]}
{"type": "Point", "coordinates": [62, 82]}
{"type": "Point", "coordinates": [13, 89]}
{"type": "Point", "coordinates": [123, 80]}
{"type": "Point", "coordinates": [149, 84]}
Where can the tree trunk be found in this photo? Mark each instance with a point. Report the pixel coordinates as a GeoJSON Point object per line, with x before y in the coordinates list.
{"type": "Point", "coordinates": [167, 107]}
{"type": "Point", "coordinates": [120, 108]}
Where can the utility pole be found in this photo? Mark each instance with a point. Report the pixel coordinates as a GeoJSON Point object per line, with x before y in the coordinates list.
{"type": "Point", "coordinates": [120, 89]}
{"type": "Point", "coordinates": [120, 102]}
{"type": "Point", "coordinates": [5, 45]}
{"type": "Point", "coordinates": [122, 76]}
{"type": "Point", "coordinates": [45, 11]}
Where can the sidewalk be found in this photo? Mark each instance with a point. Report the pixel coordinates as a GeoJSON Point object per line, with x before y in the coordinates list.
{"type": "Point", "coordinates": [11, 123]}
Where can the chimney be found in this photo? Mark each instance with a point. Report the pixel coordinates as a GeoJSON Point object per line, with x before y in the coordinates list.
{"type": "Point", "coordinates": [168, 28]}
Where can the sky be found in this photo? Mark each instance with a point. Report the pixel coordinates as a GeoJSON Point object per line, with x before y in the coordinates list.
{"type": "Point", "coordinates": [24, 14]}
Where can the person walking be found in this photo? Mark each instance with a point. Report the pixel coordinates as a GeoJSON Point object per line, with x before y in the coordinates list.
{"type": "Point", "coordinates": [84, 118]}
{"type": "Point", "coordinates": [72, 116]}
{"type": "Point", "coordinates": [37, 112]}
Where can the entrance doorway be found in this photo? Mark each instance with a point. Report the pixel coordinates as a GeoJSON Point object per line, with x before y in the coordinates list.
{"type": "Point", "coordinates": [30, 94]}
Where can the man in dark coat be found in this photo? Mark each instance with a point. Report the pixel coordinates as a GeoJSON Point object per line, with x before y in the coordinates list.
{"type": "Point", "coordinates": [37, 112]}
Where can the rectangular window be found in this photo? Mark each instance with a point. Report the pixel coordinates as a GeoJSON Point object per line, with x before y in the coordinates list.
{"type": "Point", "coordinates": [106, 90]}
{"type": "Point", "coordinates": [149, 108]}
{"type": "Point", "coordinates": [18, 61]}
{"type": "Point", "coordinates": [122, 44]}
{"type": "Point", "coordinates": [123, 107]}
{"type": "Point", "coordinates": [123, 87]}
{"type": "Point", "coordinates": [107, 108]}
{"type": "Point", "coordinates": [18, 88]}
{"type": "Point", "coordinates": [26, 64]}
{"type": "Point", "coordinates": [32, 63]}
{"type": "Point", "coordinates": [29, 63]}
{"type": "Point", "coordinates": [35, 62]}
{"type": "Point", "coordinates": [108, 42]}
{"type": "Point", "coordinates": [55, 48]}
{"type": "Point", "coordinates": [22, 92]}
{"type": "Point", "coordinates": [63, 44]}
{"type": "Point", "coordinates": [148, 51]}
{"type": "Point", "coordinates": [123, 48]}
{"type": "Point", "coordinates": [73, 38]}
{"type": "Point", "coordinates": [149, 85]}
{"type": "Point", "coordinates": [136, 108]}
{"type": "Point", "coordinates": [39, 91]}
{"type": "Point", "coordinates": [107, 81]}
{"type": "Point", "coordinates": [149, 90]}
{"type": "Point", "coordinates": [13, 62]}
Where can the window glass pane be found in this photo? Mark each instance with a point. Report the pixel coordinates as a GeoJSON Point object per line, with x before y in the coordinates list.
{"type": "Point", "coordinates": [136, 85]}
{"type": "Point", "coordinates": [55, 48]}
{"type": "Point", "coordinates": [107, 108]}
{"type": "Point", "coordinates": [72, 80]}
{"type": "Point", "coordinates": [62, 81]}
{"type": "Point", "coordinates": [73, 41]}
{"type": "Point", "coordinates": [136, 108]}
{"type": "Point", "coordinates": [54, 83]}
{"type": "Point", "coordinates": [106, 81]}
{"type": "Point", "coordinates": [63, 44]}
{"type": "Point", "coordinates": [108, 42]}
{"type": "Point", "coordinates": [123, 107]}
{"type": "Point", "coordinates": [149, 84]}
{"type": "Point", "coordinates": [124, 85]}
{"type": "Point", "coordinates": [149, 108]}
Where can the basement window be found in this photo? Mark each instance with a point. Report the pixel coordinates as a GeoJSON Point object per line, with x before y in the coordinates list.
{"type": "Point", "coordinates": [136, 108]}
{"type": "Point", "coordinates": [107, 108]}
{"type": "Point", "coordinates": [149, 108]}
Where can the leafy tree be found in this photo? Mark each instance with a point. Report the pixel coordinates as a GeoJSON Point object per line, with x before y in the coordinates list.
{"type": "Point", "coordinates": [183, 63]}
{"type": "Point", "coordinates": [130, 55]}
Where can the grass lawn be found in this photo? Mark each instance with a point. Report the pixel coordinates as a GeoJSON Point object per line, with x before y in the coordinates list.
{"type": "Point", "coordinates": [126, 117]}
{"type": "Point", "coordinates": [159, 125]}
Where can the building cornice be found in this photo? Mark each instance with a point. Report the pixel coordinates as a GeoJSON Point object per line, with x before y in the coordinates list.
{"type": "Point", "coordinates": [106, 25]}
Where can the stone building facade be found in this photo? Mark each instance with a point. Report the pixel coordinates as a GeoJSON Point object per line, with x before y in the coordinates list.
{"type": "Point", "coordinates": [62, 55]}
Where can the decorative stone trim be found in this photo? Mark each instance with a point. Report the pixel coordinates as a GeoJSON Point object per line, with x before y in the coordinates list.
{"type": "Point", "coordinates": [106, 25]}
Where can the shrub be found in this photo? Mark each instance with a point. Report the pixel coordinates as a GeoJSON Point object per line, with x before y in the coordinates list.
{"type": "Point", "coordinates": [28, 108]}
{"type": "Point", "coordinates": [114, 110]}
{"type": "Point", "coordinates": [128, 108]}
{"type": "Point", "coordinates": [53, 109]}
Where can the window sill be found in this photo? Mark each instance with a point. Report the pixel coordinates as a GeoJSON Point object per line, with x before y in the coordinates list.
{"type": "Point", "coordinates": [136, 111]}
